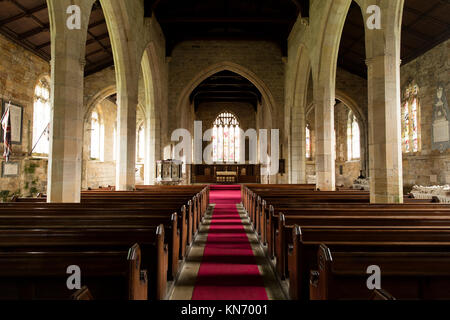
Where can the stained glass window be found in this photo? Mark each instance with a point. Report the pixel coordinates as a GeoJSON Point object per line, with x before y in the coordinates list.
{"type": "Point", "coordinates": [353, 138]}
{"type": "Point", "coordinates": [410, 120]}
{"type": "Point", "coordinates": [308, 143]}
{"type": "Point", "coordinates": [226, 133]}
{"type": "Point", "coordinates": [41, 117]}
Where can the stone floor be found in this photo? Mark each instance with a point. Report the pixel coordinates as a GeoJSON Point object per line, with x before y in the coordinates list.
{"type": "Point", "coordinates": [184, 286]}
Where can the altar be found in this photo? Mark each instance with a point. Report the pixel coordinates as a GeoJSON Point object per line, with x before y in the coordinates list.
{"type": "Point", "coordinates": [226, 177]}
{"type": "Point", "coordinates": [226, 173]}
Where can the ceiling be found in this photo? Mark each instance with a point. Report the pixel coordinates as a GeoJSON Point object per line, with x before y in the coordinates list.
{"type": "Point", "coordinates": [226, 19]}
{"type": "Point", "coordinates": [226, 86]}
{"type": "Point", "coordinates": [425, 24]}
{"type": "Point", "coordinates": [26, 22]}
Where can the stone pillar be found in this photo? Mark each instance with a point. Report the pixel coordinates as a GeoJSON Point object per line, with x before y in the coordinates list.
{"type": "Point", "coordinates": [66, 126]}
{"type": "Point", "coordinates": [151, 151]}
{"type": "Point", "coordinates": [325, 148]}
{"type": "Point", "coordinates": [123, 21]}
{"type": "Point", "coordinates": [126, 139]}
{"type": "Point", "coordinates": [385, 163]}
{"type": "Point", "coordinates": [298, 146]}
{"type": "Point", "coordinates": [383, 62]}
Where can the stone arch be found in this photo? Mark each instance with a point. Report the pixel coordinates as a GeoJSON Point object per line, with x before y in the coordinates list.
{"type": "Point", "coordinates": [153, 100]}
{"type": "Point", "coordinates": [325, 55]}
{"type": "Point", "coordinates": [362, 121]}
{"type": "Point", "coordinates": [227, 66]}
{"type": "Point", "coordinates": [97, 98]}
{"type": "Point", "coordinates": [297, 117]}
{"type": "Point", "coordinates": [185, 109]}
{"type": "Point", "coordinates": [123, 23]}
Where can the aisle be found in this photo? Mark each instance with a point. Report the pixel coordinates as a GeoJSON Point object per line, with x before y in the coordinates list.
{"type": "Point", "coordinates": [228, 270]}
{"type": "Point", "coordinates": [226, 260]}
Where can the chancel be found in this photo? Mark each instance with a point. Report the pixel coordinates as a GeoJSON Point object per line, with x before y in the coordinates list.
{"type": "Point", "coordinates": [224, 150]}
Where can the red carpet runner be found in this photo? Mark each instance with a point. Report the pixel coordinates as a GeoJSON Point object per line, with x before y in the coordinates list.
{"type": "Point", "coordinates": [228, 270]}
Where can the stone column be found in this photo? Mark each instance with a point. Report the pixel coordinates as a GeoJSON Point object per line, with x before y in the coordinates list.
{"type": "Point", "coordinates": [66, 126]}
{"type": "Point", "coordinates": [298, 146]}
{"type": "Point", "coordinates": [325, 149]}
{"type": "Point", "coordinates": [126, 139]}
{"type": "Point", "coordinates": [383, 61]}
{"type": "Point", "coordinates": [123, 21]}
{"type": "Point", "coordinates": [151, 147]}
{"type": "Point", "coordinates": [385, 163]}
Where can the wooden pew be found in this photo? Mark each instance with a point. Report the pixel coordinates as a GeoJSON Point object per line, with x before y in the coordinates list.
{"type": "Point", "coordinates": [305, 242]}
{"type": "Point", "coordinates": [111, 274]}
{"type": "Point", "coordinates": [408, 275]}
{"type": "Point", "coordinates": [154, 257]}
{"type": "Point", "coordinates": [82, 295]}
{"type": "Point", "coordinates": [379, 218]}
{"type": "Point", "coordinates": [196, 204]}
{"type": "Point", "coordinates": [99, 218]}
{"type": "Point", "coordinates": [383, 295]}
{"type": "Point", "coordinates": [146, 208]}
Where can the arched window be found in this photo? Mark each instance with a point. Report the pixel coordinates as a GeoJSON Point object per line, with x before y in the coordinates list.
{"type": "Point", "coordinates": [226, 134]}
{"type": "Point", "coordinates": [410, 120]}
{"type": "Point", "coordinates": [41, 117]}
{"type": "Point", "coordinates": [140, 144]}
{"type": "Point", "coordinates": [353, 138]}
{"type": "Point", "coordinates": [97, 137]}
{"type": "Point", "coordinates": [308, 142]}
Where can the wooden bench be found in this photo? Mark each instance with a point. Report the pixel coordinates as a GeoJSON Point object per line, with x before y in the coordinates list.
{"type": "Point", "coordinates": [302, 250]}
{"type": "Point", "coordinates": [99, 218]}
{"type": "Point", "coordinates": [378, 218]}
{"type": "Point", "coordinates": [151, 240]}
{"type": "Point", "coordinates": [408, 275]}
{"type": "Point", "coordinates": [111, 274]}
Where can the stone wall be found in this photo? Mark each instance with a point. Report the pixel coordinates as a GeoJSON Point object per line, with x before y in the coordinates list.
{"type": "Point", "coordinates": [427, 167]}
{"type": "Point", "coordinates": [20, 71]}
{"type": "Point", "coordinates": [190, 58]}
{"type": "Point", "coordinates": [100, 172]}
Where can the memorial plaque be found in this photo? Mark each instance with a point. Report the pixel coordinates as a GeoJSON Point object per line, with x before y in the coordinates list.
{"type": "Point", "coordinates": [10, 169]}
{"type": "Point", "coordinates": [441, 122]}
{"type": "Point", "coordinates": [441, 131]}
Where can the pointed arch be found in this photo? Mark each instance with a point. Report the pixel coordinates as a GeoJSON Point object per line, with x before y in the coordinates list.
{"type": "Point", "coordinates": [183, 99]}
{"type": "Point", "coordinates": [297, 117]}
{"type": "Point", "coordinates": [153, 100]}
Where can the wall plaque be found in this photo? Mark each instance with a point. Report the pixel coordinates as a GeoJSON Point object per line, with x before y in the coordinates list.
{"type": "Point", "coordinates": [10, 169]}
{"type": "Point", "coordinates": [441, 121]}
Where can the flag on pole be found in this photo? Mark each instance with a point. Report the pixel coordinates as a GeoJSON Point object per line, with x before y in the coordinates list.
{"type": "Point", "coordinates": [6, 125]}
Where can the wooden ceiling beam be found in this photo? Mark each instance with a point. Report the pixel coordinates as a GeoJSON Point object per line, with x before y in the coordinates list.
{"type": "Point", "coordinates": [24, 10]}
{"type": "Point", "coordinates": [11, 35]}
{"type": "Point", "coordinates": [97, 67]}
{"type": "Point", "coordinates": [431, 18]}
{"type": "Point", "coordinates": [34, 31]}
{"type": "Point", "coordinates": [23, 14]}
{"type": "Point", "coordinates": [96, 39]}
{"type": "Point", "coordinates": [422, 15]}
